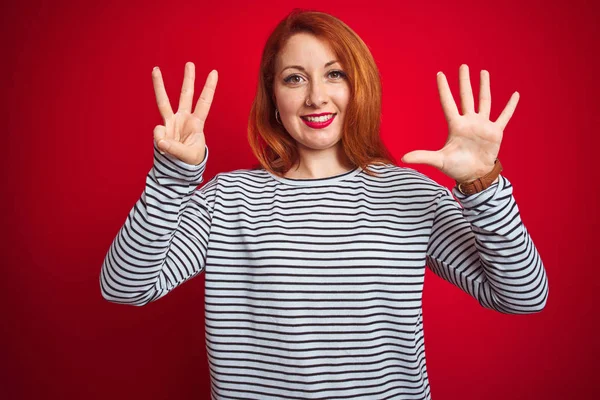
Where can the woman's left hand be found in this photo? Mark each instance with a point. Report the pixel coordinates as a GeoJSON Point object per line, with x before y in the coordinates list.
{"type": "Point", "coordinates": [473, 140]}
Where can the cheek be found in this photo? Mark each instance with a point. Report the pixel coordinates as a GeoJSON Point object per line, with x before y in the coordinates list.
{"type": "Point", "coordinates": [342, 97]}
{"type": "Point", "coordinates": [289, 104]}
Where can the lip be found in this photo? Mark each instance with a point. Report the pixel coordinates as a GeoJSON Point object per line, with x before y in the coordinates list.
{"type": "Point", "coordinates": [318, 125]}
{"type": "Point", "coordinates": [316, 115]}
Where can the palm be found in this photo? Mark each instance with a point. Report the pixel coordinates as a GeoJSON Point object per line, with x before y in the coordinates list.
{"type": "Point", "coordinates": [472, 147]}
{"type": "Point", "coordinates": [473, 141]}
{"type": "Point", "coordinates": [189, 128]}
{"type": "Point", "coordinates": [182, 134]}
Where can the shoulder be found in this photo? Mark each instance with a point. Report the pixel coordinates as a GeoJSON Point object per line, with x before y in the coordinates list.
{"type": "Point", "coordinates": [242, 177]}
{"type": "Point", "coordinates": [406, 185]}
{"type": "Point", "coordinates": [404, 178]}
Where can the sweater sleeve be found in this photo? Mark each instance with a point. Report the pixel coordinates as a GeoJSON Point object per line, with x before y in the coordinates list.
{"type": "Point", "coordinates": [485, 250]}
{"type": "Point", "coordinates": [164, 239]}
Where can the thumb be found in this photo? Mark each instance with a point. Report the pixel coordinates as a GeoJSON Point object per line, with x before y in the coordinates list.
{"type": "Point", "coordinates": [159, 135]}
{"type": "Point", "coordinates": [180, 151]}
{"type": "Point", "coordinates": [433, 158]}
{"type": "Point", "coordinates": [163, 144]}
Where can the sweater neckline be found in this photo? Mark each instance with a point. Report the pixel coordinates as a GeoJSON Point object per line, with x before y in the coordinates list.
{"type": "Point", "coordinates": [316, 181]}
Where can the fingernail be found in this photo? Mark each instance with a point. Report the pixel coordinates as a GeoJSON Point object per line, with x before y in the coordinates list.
{"type": "Point", "coordinates": [158, 144]}
{"type": "Point", "coordinates": [439, 73]}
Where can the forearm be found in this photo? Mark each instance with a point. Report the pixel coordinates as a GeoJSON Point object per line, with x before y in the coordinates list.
{"type": "Point", "coordinates": [515, 278]}
{"type": "Point", "coordinates": [484, 249]}
{"type": "Point", "coordinates": [156, 247]}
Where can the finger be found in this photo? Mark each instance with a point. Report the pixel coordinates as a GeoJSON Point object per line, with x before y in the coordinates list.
{"type": "Point", "coordinates": [162, 100]}
{"type": "Point", "coordinates": [169, 128]}
{"type": "Point", "coordinates": [159, 134]}
{"type": "Point", "coordinates": [485, 96]}
{"type": "Point", "coordinates": [448, 104]}
{"type": "Point", "coordinates": [206, 97]}
{"type": "Point", "coordinates": [433, 158]}
{"type": "Point", "coordinates": [187, 89]}
{"type": "Point", "coordinates": [177, 128]}
{"type": "Point", "coordinates": [180, 151]}
{"type": "Point", "coordinates": [508, 111]}
{"type": "Point", "coordinates": [466, 92]}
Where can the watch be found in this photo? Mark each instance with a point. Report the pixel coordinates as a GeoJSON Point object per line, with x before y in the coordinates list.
{"type": "Point", "coordinates": [482, 183]}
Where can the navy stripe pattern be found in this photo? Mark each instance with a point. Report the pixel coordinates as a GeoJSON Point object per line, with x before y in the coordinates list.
{"type": "Point", "coordinates": [314, 286]}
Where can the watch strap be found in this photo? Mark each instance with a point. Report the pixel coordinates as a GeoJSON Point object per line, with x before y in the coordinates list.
{"type": "Point", "coordinates": [480, 184]}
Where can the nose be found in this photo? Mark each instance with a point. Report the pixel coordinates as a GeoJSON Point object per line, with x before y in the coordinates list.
{"type": "Point", "coordinates": [317, 93]}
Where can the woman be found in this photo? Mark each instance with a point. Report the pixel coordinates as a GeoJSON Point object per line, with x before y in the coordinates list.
{"type": "Point", "coordinates": [315, 263]}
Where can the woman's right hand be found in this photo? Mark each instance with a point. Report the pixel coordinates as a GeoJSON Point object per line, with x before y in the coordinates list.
{"type": "Point", "coordinates": [182, 134]}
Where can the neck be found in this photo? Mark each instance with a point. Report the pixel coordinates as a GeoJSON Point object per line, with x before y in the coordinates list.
{"type": "Point", "coordinates": [316, 164]}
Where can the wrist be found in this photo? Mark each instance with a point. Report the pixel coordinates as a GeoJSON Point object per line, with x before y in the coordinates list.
{"type": "Point", "coordinates": [482, 183]}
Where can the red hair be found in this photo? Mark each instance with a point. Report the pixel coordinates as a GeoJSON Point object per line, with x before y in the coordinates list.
{"type": "Point", "coordinates": [272, 145]}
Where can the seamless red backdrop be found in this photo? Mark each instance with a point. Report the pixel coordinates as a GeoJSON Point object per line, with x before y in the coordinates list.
{"type": "Point", "coordinates": [79, 111]}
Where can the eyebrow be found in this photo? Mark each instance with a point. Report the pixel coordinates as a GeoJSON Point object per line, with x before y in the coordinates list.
{"type": "Point", "coordinates": [302, 68]}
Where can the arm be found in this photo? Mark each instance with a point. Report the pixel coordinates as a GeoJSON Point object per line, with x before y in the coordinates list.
{"type": "Point", "coordinates": [164, 240]}
{"type": "Point", "coordinates": [486, 251]}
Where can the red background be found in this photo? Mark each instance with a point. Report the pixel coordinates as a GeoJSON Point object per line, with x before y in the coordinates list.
{"type": "Point", "coordinates": [79, 111]}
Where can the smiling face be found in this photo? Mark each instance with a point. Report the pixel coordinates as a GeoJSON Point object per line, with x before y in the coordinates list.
{"type": "Point", "coordinates": [306, 68]}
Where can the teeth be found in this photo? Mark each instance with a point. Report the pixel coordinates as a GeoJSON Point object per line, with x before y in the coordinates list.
{"type": "Point", "coordinates": [322, 118]}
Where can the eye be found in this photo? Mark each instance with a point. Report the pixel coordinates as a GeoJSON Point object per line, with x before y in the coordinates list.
{"type": "Point", "coordinates": [340, 73]}
{"type": "Point", "coordinates": [290, 78]}
{"type": "Point", "coordinates": [337, 75]}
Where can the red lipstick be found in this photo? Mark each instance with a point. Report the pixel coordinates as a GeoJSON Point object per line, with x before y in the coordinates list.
{"type": "Point", "coordinates": [318, 125]}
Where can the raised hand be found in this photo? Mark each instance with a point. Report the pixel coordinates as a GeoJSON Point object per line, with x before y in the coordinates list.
{"type": "Point", "coordinates": [182, 134]}
{"type": "Point", "coordinates": [473, 141]}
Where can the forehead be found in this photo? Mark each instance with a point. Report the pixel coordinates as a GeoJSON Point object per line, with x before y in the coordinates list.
{"type": "Point", "coordinates": [305, 49]}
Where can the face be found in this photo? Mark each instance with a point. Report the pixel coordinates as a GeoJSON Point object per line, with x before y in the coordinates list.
{"type": "Point", "coordinates": [304, 70]}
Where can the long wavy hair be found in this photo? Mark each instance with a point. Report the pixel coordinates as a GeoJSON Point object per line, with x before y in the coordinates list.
{"type": "Point", "coordinates": [272, 145]}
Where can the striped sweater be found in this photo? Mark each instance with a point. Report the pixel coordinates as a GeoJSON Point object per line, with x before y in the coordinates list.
{"type": "Point", "coordinates": [313, 287]}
